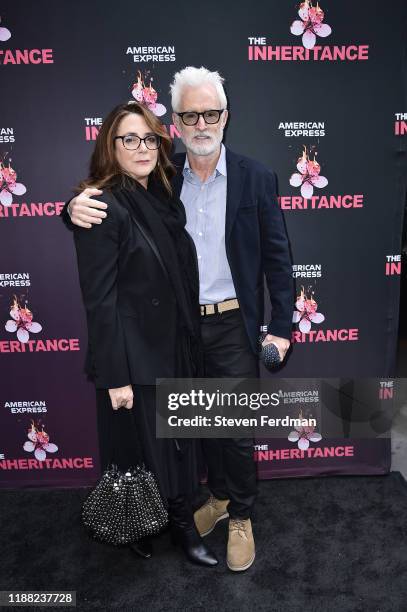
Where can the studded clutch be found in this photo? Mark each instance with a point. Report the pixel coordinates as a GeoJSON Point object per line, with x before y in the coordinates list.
{"type": "Point", "coordinates": [124, 507]}
{"type": "Point", "coordinates": [269, 354]}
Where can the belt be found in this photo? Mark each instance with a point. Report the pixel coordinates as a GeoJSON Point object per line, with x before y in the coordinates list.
{"type": "Point", "coordinates": [209, 309]}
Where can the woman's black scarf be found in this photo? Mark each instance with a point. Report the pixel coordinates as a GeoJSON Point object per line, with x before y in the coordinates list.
{"type": "Point", "coordinates": [165, 218]}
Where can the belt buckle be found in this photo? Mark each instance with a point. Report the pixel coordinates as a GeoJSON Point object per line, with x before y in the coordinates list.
{"type": "Point", "coordinates": [207, 309]}
{"type": "Point", "coordinates": [210, 309]}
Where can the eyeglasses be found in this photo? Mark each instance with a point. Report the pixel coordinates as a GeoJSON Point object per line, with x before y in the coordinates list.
{"type": "Point", "coordinates": [132, 142]}
{"type": "Point", "coordinates": [192, 117]}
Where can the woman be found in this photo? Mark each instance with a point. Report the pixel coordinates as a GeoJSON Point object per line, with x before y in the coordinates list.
{"type": "Point", "coordinates": [139, 281]}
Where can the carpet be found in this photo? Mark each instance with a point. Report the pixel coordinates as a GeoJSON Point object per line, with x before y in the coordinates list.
{"type": "Point", "coordinates": [336, 543]}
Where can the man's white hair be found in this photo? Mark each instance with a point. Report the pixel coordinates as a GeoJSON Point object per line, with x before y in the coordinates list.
{"type": "Point", "coordinates": [195, 77]}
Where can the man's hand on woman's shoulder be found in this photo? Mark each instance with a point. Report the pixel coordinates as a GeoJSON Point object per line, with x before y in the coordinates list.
{"type": "Point", "coordinates": [85, 211]}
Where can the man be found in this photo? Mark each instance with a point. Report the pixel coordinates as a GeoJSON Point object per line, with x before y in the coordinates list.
{"type": "Point", "coordinates": [238, 229]}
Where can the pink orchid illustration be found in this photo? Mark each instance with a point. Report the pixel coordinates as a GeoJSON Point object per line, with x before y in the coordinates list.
{"type": "Point", "coordinates": [147, 94]}
{"type": "Point", "coordinates": [310, 25]}
{"type": "Point", "coordinates": [5, 34]}
{"type": "Point", "coordinates": [22, 322]}
{"type": "Point", "coordinates": [304, 435]}
{"type": "Point", "coordinates": [8, 185]}
{"type": "Point", "coordinates": [39, 443]}
{"type": "Point", "coordinates": [306, 312]}
{"type": "Point", "coordinates": [308, 175]}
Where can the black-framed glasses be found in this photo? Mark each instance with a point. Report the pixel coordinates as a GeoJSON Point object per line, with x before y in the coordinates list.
{"type": "Point", "coordinates": [132, 142]}
{"type": "Point", "coordinates": [209, 116]}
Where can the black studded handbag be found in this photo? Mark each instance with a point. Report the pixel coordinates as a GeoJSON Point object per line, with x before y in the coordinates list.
{"type": "Point", "coordinates": [124, 506]}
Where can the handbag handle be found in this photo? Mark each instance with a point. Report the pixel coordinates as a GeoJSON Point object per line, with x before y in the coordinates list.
{"type": "Point", "coordinates": [118, 421]}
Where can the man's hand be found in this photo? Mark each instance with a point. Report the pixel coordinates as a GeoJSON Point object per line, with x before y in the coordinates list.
{"type": "Point", "coordinates": [84, 211]}
{"type": "Point", "coordinates": [122, 396]}
{"type": "Point", "coordinates": [282, 344]}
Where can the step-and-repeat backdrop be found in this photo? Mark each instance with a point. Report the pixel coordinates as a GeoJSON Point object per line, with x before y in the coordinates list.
{"type": "Point", "coordinates": [316, 93]}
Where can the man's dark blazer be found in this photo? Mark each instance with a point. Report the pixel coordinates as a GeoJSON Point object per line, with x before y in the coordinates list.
{"type": "Point", "coordinates": [129, 300]}
{"type": "Point", "coordinates": [256, 244]}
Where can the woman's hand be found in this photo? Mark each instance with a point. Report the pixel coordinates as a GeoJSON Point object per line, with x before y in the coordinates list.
{"type": "Point", "coordinates": [122, 396]}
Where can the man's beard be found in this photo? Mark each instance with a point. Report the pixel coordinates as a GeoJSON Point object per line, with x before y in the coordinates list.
{"type": "Point", "coordinates": [205, 147]}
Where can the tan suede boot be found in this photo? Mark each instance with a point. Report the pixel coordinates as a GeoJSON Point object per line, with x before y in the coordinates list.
{"type": "Point", "coordinates": [213, 511]}
{"type": "Point", "coordinates": [241, 551]}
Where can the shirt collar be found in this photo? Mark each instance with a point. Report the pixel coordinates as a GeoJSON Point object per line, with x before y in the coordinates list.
{"type": "Point", "coordinates": [221, 167]}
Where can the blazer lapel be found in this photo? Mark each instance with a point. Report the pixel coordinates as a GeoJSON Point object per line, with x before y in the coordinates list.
{"type": "Point", "coordinates": [123, 199]}
{"type": "Point", "coordinates": [149, 239]}
{"type": "Point", "coordinates": [177, 183]}
{"type": "Point", "coordinates": [178, 180]}
{"type": "Point", "coordinates": [236, 172]}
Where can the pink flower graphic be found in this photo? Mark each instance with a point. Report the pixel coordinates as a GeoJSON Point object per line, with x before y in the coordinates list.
{"type": "Point", "coordinates": [303, 435]}
{"type": "Point", "coordinates": [308, 175]}
{"type": "Point", "coordinates": [147, 95]}
{"type": "Point", "coordinates": [39, 443]}
{"type": "Point", "coordinates": [5, 34]}
{"type": "Point", "coordinates": [22, 322]}
{"type": "Point", "coordinates": [310, 25]}
{"type": "Point", "coordinates": [8, 185]}
{"type": "Point", "coordinates": [306, 312]}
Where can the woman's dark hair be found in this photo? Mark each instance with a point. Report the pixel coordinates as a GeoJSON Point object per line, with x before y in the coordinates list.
{"type": "Point", "coordinates": [104, 169]}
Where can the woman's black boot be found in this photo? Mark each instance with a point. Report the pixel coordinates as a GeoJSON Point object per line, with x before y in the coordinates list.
{"type": "Point", "coordinates": [143, 547]}
{"type": "Point", "coordinates": [185, 533]}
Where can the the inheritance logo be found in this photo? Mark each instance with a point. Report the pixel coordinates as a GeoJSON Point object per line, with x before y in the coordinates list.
{"type": "Point", "coordinates": [393, 265]}
{"type": "Point", "coordinates": [5, 33]}
{"type": "Point", "coordinates": [38, 442]}
{"type": "Point", "coordinates": [308, 175]}
{"type": "Point", "coordinates": [145, 54]}
{"type": "Point", "coordinates": [400, 124]}
{"type": "Point", "coordinates": [22, 321]}
{"type": "Point", "coordinates": [92, 127]}
{"type": "Point", "coordinates": [8, 184]}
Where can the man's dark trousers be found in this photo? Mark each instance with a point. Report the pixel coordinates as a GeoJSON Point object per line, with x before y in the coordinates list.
{"type": "Point", "coordinates": [231, 468]}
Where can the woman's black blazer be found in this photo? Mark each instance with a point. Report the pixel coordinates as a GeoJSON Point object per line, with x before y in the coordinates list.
{"type": "Point", "coordinates": [130, 304]}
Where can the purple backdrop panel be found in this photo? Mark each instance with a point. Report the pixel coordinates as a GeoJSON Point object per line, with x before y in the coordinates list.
{"type": "Point", "coordinates": [280, 459]}
{"type": "Point", "coordinates": [314, 95]}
